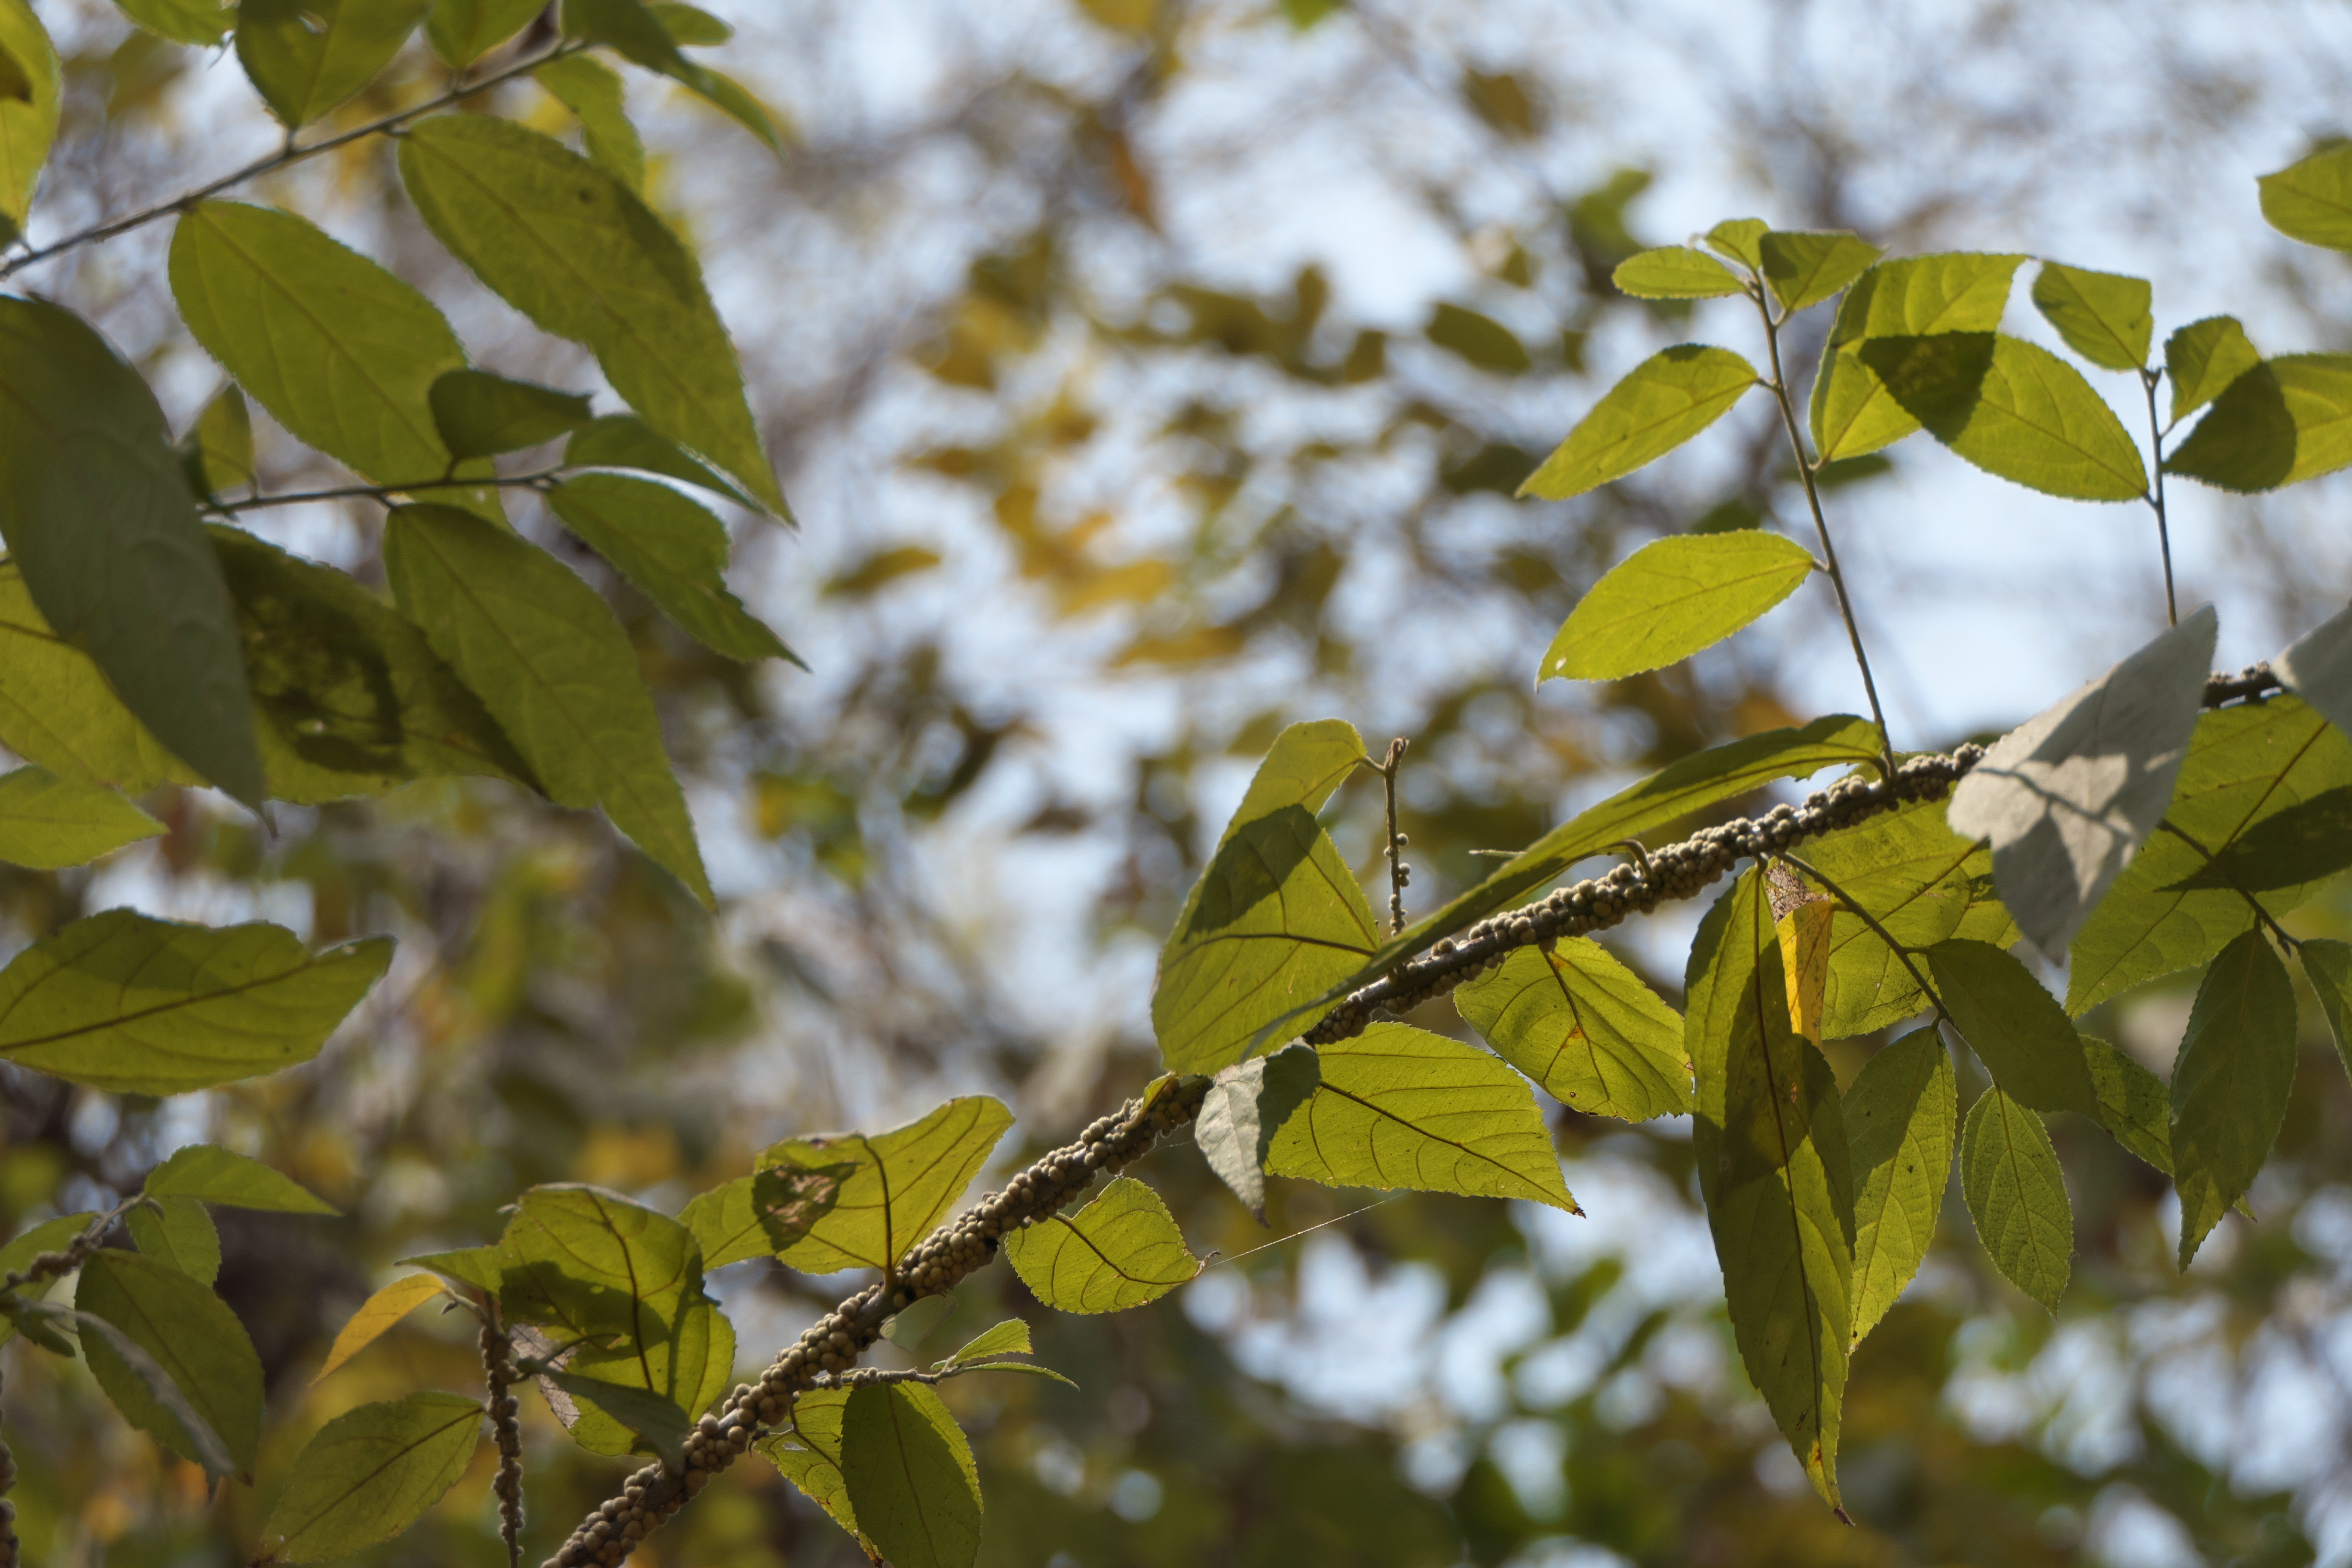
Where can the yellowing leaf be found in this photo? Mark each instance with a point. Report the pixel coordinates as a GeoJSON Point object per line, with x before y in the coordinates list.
{"type": "Point", "coordinates": [1673, 597]}
{"type": "Point", "coordinates": [2016, 1195]}
{"type": "Point", "coordinates": [810, 1458]}
{"type": "Point", "coordinates": [1665, 400]}
{"type": "Point", "coordinates": [2230, 1087]}
{"type": "Point", "coordinates": [1898, 1122]}
{"type": "Point", "coordinates": [1918, 296]}
{"type": "Point", "coordinates": [376, 1316]}
{"type": "Point", "coordinates": [1585, 1028]}
{"type": "Point", "coordinates": [1805, 937]}
{"type": "Point", "coordinates": [1120, 1251]}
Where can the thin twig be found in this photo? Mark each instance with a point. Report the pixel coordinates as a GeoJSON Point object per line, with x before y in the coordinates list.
{"type": "Point", "coordinates": [1398, 875]}
{"type": "Point", "coordinates": [2147, 380]}
{"type": "Point", "coordinates": [385, 492]}
{"type": "Point", "coordinates": [286, 156]}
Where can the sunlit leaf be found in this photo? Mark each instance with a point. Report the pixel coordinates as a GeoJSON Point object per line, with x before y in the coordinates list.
{"type": "Point", "coordinates": [178, 1231]}
{"type": "Point", "coordinates": [1400, 1107]}
{"type": "Point", "coordinates": [2284, 421]}
{"type": "Point", "coordinates": [1918, 296]}
{"type": "Point", "coordinates": [2068, 797]}
{"type": "Point", "coordinates": [1673, 597]}
{"type": "Point", "coordinates": [218, 1175]}
{"type": "Point", "coordinates": [2310, 200]}
{"type": "Point", "coordinates": [674, 551]}
{"type": "Point", "coordinates": [1585, 1028]}
{"type": "Point", "coordinates": [898, 1184]}
{"type": "Point", "coordinates": [192, 1335]}
{"type": "Point", "coordinates": [2016, 1028]}
{"type": "Point", "coordinates": [1245, 1106]}
{"type": "Point", "coordinates": [545, 655]}
{"type": "Point", "coordinates": [463, 31]}
{"type": "Point", "coordinates": [653, 1418]}
{"type": "Point", "coordinates": [2102, 317]}
{"type": "Point", "coordinates": [763, 1213]}
{"type": "Point", "coordinates": [28, 124]}
{"type": "Point", "coordinates": [1803, 934]}
{"type": "Point", "coordinates": [2135, 1105]}
{"type": "Point", "coordinates": [99, 520]}
{"type": "Point", "coordinates": [308, 57]}
{"type": "Point", "coordinates": [913, 1486]}
{"type": "Point", "coordinates": [2016, 1195]}
{"type": "Point", "coordinates": [2318, 668]}
{"type": "Point", "coordinates": [134, 1005]}
{"type": "Point", "coordinates": [480, 414]}
{"type": "Point", "coordinates": [1010, 1336]}
{"type": "Point", "coordinates": [1736, 237]}
{"type": "Point", "coordinates": [46, 821]}
{"type": "Point", "coordinates": [811, 1457]}
{"type": "Point", "coordinates": [371, 1473]}
{"type": "Point", "coordinates": [2013, 409]}
{"type": "Point", "coordinates": [1665, 400]}
{"type": "Point", "coordinates": [2230, 1087]}
{"type": "Point", "coordinates": [1898, 1118]}
{"type": "Point", "coordinates": [1120, 1251]}
{"type": "Point", "coordinates": [1805, 268]}
{"type": "Point", "coordinates": [1675, 272]}
{"type": "Point", "coordinates": [2202, 358]}
{"type": "Point", "coordinates": [376, 1317]}
{"type": "Point", "coordinates": [593, 91]}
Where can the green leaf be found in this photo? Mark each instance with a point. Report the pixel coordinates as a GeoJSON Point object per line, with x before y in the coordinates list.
{"type": "Point", "coordinates": [308, 57]}
{"type": "Point", "coordinates": [1919, 296]}
{"type": "Point", "coordinates": [1119, 1251]}
{"type": "Point", "coordinates": [1245, 1106]}
{"type": "Point", "coordinates": [2202, 358]}
{"type": "Point", "coordinates": [341, 352]}
{"type": "Point", "coordinates": [49, 1236]}
{"type": "Point", "coordinates": [810, 1459]}
{"type": "Point", "coordinates": [100, 523]}
{"type": "Point", "coordinates": [2135, 1105]}
{"type": "Point", "coordinates": [1675, 272]}
{"type": "Point", "coordinates": [2068, 796]}
{"type": "Point", "coordinates": [2013, 409]}
{"type": "Point", "coordinates": [351, 697]}
{"type": "Point", "coordinates": [1667, 399]}
{"type": "Point", "coordinates": [1480, 340]}
{"type": "Point", "coordinates": [2328, 966]}
{"type": "Point", "coordinates": [16, 81]}
{"type": "Point", "coordinates": [898, 1184]}
{"type": "Point", "coordinates": [639, 36]}
{"type": "Point", "coordinates": [2318, 668]}
{"type": "Point", "coordinates": [57, 709]}
{"type": "Point", "coordinates": [674, 551]}
{"type": "Point", "coordinates": [1010, 1336]}
{"type": "Point", "coordinates": [202, 22]}
{"type": "Point", "coordinates": [484, 1268]}
{"type": "Point", "coordinates": [1276, 917]}
{"type": "Point", "coordinates": [1673, 597]}
{"type": "Point", "coordinates": [912, 1484]}
{"type": "Point", "coordinates": [545, 655]}
{"type": "Point", "coordinates": [178, 1231]}
{"type": "Point", "coordinates": [480, 414]}
{"type": "Point", "coordinates": [2284, 421]}
{"type": "Point", "coordinates": [371, 1473]}
{"type": "Point", "coordinates": [2102, 317]}
{"type": "Point", "coordinates": [133, 1006]}
{"type": "Point", "coordinates": [625, 441]}
{"type": "Point", "coordinates": [1773, 1166]}
{"type": "Point", "coordinates": [27, 125]}
{"type": "Point", "coordinates": [2230, 1087]}
{"type": "Point", "coordinates": [653, 1418]}
{"type": "Point", "coordinates": [689, 25]}
{"type": "Point", "coordinates": [1737, 238]}
{"type": "Point", "coordinates": [593, 91]}
{"type": "Point", "coordinates": [1898, 1118]}
{"type": "Point", "coordinates": [193, 1336]}
{"type": "Point", "coordinates": [2016, 1195]}
{"type": "Point", "coordinates": [1400, 1107]}
{"type": "Point", "coordinates": [217, 452]}
{"type": "Point", "coordinates": [2312, 200]}
{"type": "Point", "coordinates": [463, 31]}
{"type": "Point", "coordinates": [2016, 1028]}
{"type": "Point", "coordinates": [575, 250]}
{"type": "Point", "coordinates": [1805, 268]}
{"type": "Point", "coordinates": [144, 1380]}
{"type": "Point", "coordinates": [1032, 1368]}
{"type": "Point", "coordinates": [2265, 795]}
{"type": "Point", "coordinates": [50, 823]}
{"type": "Point", "coordinates": [1585, 1028]}
{"type": "Point", "coordinates": [763, 1213]}
{"type": "Point", "coordinates": [376, 1317]}
{"type": "Point", "coordinates": [217, 1176]}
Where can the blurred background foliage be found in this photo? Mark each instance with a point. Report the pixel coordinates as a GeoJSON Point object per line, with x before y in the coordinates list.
{"type": "Point", "coordinates": [1147, 375]}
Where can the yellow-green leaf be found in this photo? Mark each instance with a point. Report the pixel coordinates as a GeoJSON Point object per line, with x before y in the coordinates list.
{"type": "Point", "coordinates": [2328, 966]}
{"type": "Point", "coordinates": [2103, 316]}
{"type": "Point", "coordinates": [2013, 409]}
{"type": "Point", "coordinates": [191, 1335]}
{"type": "Point", "coordinates": [1918, 296]}
{"type": "Point", "coordinates": [809, 1457]}
{"type": "Point", "coordinates": [1400, 1107]}
{"type": "Point", "coordinates": [1010, 1336]}
{"type": "Point", "coordinates": [48, 823]}
{"type": "Point", "coordinates": [217, 452]}
{"type": "Point", "coordinates": [1667, 399]}
{"type": "Point", "coordinates": [2202, 358]}
{"type": "Point", "coordinates": [550, 661]}
{"type": "Point", "coordinates": [463, 31]}
{"type": "Point", "coordinates": [894, 1186]}
{"type": "Point", "coordinates": [2318, 668]}
{"type": "Point", "coordinates": [1673, 597]}
{"type": "Point", "coordinates": [2016, 1195]}
{"type": "Point", "coordinates": [2310, 200]}
{"type": "Point", "coordinates": [2280, 423]}
{"type": "Point", "coordinates": [592, 90]}
{"type": "Point", "coordinates": [2135, 1105]}
{"type": "Point", "coordinates": [1245, 1106]}
{"type": "Point", "coordinates": [57, 709]}
{"type": "Point", "coordinates": [28, 124]}
{"type": "Point", "coordinates": [1675, 272]}
{"type": "Point", "coordinates": [674, 551]}
{"type": "Point", "coordinates": [480, 414]}
{"type": "Point", "coordinates": [763, 1213]}
{"type": "Point", "coordinates": [2230, 1087]}
{"type": "Point", "coordinates": [913, 1488]}
{"type": "Point", "coordinates": [1119, 1251]}
{"type": "Point", "coordinates": [1898, 1123]}
{"type": "Point", "coordinates": [178, 1231]}
{"type": "Point", "coordinates": [217, 1175]}
{"type": "Point", "coordinates": [371, 1473]}
{"type": "Point", "coordinates": [376, 1317]}
{"type": "Point", "coordinates": [1585, 1028]}
{"type": "Point", "coordinates": [1737, 237]}
{"type": "Point", "coordinates": [308, 57]}
{"type": "Point", "coordinates": [200, 21]}
{"type": "Point", "coordinates": [1806, 266]}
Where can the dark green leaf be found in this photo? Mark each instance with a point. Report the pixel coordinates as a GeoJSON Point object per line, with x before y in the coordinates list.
{"type": "Point", "coordinates": [653, 1417]}
{"type": "Point", "coordinates": [2202, 358]}
{"type": "Point", "coordinates": [2013, 409]}
{"type": "Point", "coordinates": [633, 30]}
{"type": "Point", "coordinates": [480, 414]}
{"type": "Point", "coordinates": [463, 31]}
{"type": "Point", "coordinates": [2102, 317]}
{"type": "Point", "coordinates": [1400, 1107]}
{"type": "Point", "coordinates": [1276, 917]}
{"type": "Point", "coordinates": [2068, 797]}
{"type": "Point", "coordinates": [1585, 1028]}
{"type": "Point", "coordinates": [120, 1361]}
{"type": "Point", "coordinates": [625, 441]}
{"type": "Point", "coordinates": [1771, 1150]}
{"type": "Point", "coordinates": [1737, 237]}
{"type": "Point", "coordinates": [1805, 268]}
{"type": "Point", "coordinates": [15, 80]}
{"type": "Point", "coordinates": [1898, 1120]}
{"type": "Point", "coordinates": [575, 250]}
{"type": "Point", "coordinates": [99, 519]}
{"type": "Point", "coordinates": [57, 709]}
{"type": "Point", "coordinates": [1481, 340]}
{"type": "Point", "coordinates": [674, 551]}
{"type": "Point", "coordinates": [1245, 1106]}
{"type": "Point", "coordinates": [2318, 668]}
{"type": "Point", "coordinates": [1673, 597]}
{"type": "Point", "coordinates": [217, 452]}
{"type": "Point", "coordinates": [2284, 421]}
{"type": "Point", "coordinates": [896, 1187]}
{"type": "Point", "coordinates": [545, 655]}
{"type": "Point", "coordinates": [2016, 1028]}
{"type": "Point", "coordinates": [912, 1484]}
{"type": "Point", "coordinates": [2016, 1195]}
{"type": "Point", "coordinates": [1119, 1251]}
{"type": "Point", "coordinates": [48, 823]}
{"type": "Point", "coordinates": [200, 21]}
{"type": "Point", "coordinates": [217, 1176]}
{"type": "Point", "coordinates": [592, 90]}
{"type": "Point", "coordinates": [134, 1005]}
{"type": "Point", "coordinates": [29, 124]}
{"type": "Point", "coordinates": [2312, 200]}
{"type": "Point", "coordinates": [2230, 1087]}
{"type": "Point", "coordinates": [2260, 809]}
{"type": "Point", "coordinates": [178, 1231]}
{"type": "Point", "coordinates": [2135, 1105]}
{"type": "Point", "coordinates": [1675, 272]}
{"type": "Point", "coordinates": [811, 1457]}
{"type": "Point", "coordinates": [307, 57]}
{"type": "Point", "coordinates": [371, 1473]}
{"type": "Point", "coordinates": [1919, 296]}
{"type": "Point", "coordinates": [195, 1340]}
{"type": "Point", "coordinates": [689, 25]}
{"type": "Point", "coordinates": [2328, 966]}
{"type": "Point", "coordinates": [1667, 399]}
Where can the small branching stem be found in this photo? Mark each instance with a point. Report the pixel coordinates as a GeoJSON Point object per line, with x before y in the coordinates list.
{"type": "Point", "coordinates": [384, 493]}
{"type": "Point", "coordinates": [2147, 380]}
{"type": "Point", "coordinates": [1398, 873]}
{"type": "Point", "coordinates": [500, 1374]}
